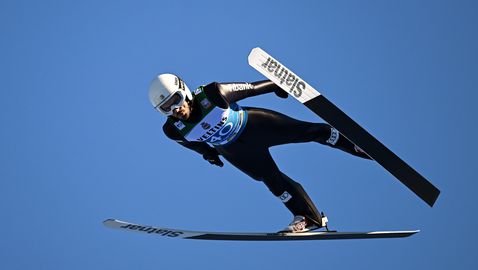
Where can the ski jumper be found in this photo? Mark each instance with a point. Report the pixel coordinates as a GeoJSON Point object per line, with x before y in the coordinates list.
{"type": "Point", "coordinates": [243, 136]}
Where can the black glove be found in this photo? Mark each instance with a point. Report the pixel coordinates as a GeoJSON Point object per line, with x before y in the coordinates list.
{"type": "Point", "coordinates": [213, 158]}
{"type": "Point", "coordinates": [281, 93]}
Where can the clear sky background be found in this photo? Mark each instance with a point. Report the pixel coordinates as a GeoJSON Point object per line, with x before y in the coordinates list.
{"type": "Point", "coordinates": [80, 143]}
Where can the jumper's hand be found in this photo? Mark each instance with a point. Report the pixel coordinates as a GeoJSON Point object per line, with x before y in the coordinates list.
{"type": "Point", "coordinates": [213, 159]}
{"type": "Point", "coordinates": [281, 93]}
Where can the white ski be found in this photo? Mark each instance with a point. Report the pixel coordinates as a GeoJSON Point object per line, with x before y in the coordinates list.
{"type": "Point", "coordinates": [177, 233]}
{"type": "Point", "coordinates": [307, 95]}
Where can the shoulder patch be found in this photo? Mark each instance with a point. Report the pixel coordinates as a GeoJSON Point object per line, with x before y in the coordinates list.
{"type": "Point", "coordinates": [179, 125]}
{"type": "Point", "coordinates": [206, 103]}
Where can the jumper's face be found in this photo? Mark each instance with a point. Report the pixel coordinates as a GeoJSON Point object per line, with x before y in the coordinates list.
{"type": "Point", "coordinates": [183, 112]}
{"type": "Point", "coordinates": [176, 106]}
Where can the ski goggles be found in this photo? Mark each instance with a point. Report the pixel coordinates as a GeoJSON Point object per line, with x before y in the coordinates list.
{"type": "Point", "coordinates": [175, 101]}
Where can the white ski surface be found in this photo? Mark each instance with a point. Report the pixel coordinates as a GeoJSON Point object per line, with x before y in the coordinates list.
{"type": "Point", "coordinates": [283, 77]}
{"type": "Point", "coordinates": [201, 235]}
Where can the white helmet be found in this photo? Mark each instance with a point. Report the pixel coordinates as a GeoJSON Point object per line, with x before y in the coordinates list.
{"type": "Point", "coordinates": [168, 92]}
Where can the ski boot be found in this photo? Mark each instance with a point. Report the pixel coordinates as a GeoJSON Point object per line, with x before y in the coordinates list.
{"type": "Point", "coordinates": [302, 224]}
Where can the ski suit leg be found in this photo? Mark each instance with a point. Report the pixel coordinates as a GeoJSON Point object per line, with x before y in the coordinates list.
{"type": "Point", "coordinates": [257, 162]}
{"type": "Point", "coordinates": [267, 128]}
{"type": "Point", "coordinates": [276, 129]}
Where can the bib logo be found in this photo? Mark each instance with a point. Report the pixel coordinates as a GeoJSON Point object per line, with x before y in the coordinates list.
{"type": "Point", "coordinates": [222, 128]}
{"type": "Point", "coordinates": [205, 125]}
{"type": "Point", "coordinates": [295, 85]}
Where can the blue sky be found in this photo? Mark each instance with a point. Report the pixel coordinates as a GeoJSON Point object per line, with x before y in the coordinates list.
{"type": "Point", "coordinates": [79, 142]}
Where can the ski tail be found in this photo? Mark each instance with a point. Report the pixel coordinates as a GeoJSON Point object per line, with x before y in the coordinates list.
{"type": "Point", "coordinates": [375, 149]}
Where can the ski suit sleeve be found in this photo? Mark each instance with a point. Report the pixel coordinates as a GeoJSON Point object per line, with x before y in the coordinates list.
{"type": "Point", "coordinates": [208, 153]}
{"type": "Point", "coordinates": [222, 94]}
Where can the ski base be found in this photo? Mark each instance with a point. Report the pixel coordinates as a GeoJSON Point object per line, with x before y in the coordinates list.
{"type": "Point", "coordinates": [235, 236]}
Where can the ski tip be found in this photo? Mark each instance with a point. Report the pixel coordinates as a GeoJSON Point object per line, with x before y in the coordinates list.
{"type": "Point", "coordinates": [253, 54]}
{"type": "Point", "coordinates": [255, 49]}
{"type": "Point", "coordinates": [109, 221]}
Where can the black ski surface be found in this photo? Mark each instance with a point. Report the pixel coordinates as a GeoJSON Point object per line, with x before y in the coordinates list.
{"type": "Point", "coordinates": [374, 148]}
